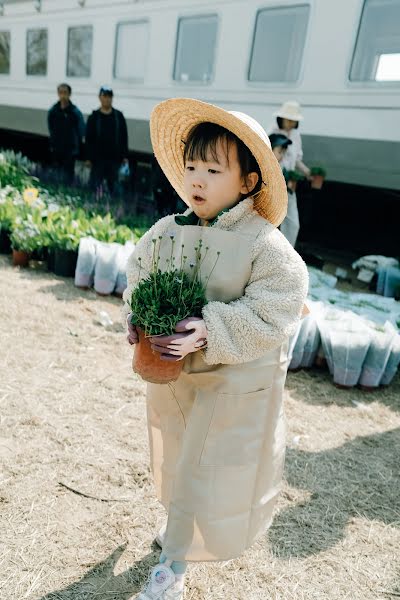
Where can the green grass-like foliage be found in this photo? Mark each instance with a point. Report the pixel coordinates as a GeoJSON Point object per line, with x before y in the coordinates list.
{"type": "Point", "coordinates": [317, 170]}
{"type": "Point", "coordinates": [162, 298]}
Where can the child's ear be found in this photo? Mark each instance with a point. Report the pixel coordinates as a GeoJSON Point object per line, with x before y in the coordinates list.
{"type": "Point", "coordinates": [249, 182]}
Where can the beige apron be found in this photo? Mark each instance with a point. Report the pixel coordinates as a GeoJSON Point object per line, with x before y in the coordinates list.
{"type": "Point", "coordinates": [217, 437]}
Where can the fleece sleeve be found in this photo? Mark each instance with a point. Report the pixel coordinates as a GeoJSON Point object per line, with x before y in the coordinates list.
{"type": "Point", "coordinates": [269, 311]}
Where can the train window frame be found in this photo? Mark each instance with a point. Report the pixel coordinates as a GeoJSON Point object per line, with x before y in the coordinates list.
{"type": "Point", "coordinates": [365, 83]}
{"type": "Point", "coordinates": [69, 29]}
{"type": "Point", "coordinates": [283, 82]}
{"type": "Point", "coordinates": [144, 21]}
{"type": "Point", "coordinates": [196, 82]}
{"type": "Point", "coordinates": [8, 72]}
{"type": "Point", "coordinates": [28, 31]}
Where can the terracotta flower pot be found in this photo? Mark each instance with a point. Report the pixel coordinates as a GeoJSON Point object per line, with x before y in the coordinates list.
{"type": "Point", "coordinates": [317, 181]}
{"type": "Point", "coordinates": [148, 364]}
{"type": "Point", "coordinates": [20, 258]}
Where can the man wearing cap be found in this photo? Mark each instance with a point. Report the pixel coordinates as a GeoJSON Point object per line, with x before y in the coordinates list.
{"type": "Point", "coordinates": [66, 129]}
{"type": "Point", "coordinates": [106, 142]}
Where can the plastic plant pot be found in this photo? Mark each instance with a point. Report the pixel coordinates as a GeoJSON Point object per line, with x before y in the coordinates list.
{"type": "Point", "coordinates": [148, 364]}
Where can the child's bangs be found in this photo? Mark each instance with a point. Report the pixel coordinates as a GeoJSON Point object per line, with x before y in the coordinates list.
{"type": "Point", "coordinates": [203, 140]}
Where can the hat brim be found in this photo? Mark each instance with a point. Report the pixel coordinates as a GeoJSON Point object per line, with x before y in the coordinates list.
{"type": "Point", "coordinates": [170, 124]}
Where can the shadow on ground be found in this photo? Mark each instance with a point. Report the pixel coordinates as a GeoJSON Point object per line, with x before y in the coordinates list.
{"type": "Point", "coordinates": [360, 479]}
{"type": "Point", "coordinates": [101, 582]}
{"type": "Point", "coordinates": [310, 386]}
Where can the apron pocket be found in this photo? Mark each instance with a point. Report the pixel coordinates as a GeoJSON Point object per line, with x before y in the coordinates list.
{"type": "Point", "coordinates": [237, 427]}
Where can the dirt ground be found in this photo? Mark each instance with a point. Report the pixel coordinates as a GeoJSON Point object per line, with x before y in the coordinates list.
{"type": "Point", "coordinates": [77, 509]}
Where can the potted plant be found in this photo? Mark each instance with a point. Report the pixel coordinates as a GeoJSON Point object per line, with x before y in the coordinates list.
{"type": "Point", "coordinates": [8, 213]}
{"type": "Point", "coordinates": [160, 301]}
{"type": "Point", "coordinates": [25, 238]}
{"type": "Point", "coordinates": [293, 177]}
{"type": "Point", "coordinates": [318, 175]}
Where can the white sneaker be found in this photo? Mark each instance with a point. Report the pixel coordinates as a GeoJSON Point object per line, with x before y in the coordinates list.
{"type": "Point", "coordinates": [160, 537]}
{"type": "Point", "coordinates": [163, 584]}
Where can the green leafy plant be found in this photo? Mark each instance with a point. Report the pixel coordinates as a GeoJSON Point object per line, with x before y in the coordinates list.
{"type": "Point", "coordinates": [163, 298]}
{"type": "Point", "coordinates": [317, 170]}
{"type": "Point", "coordinates": [26, 232]}
{"type": "Point", "coordinates": [294, 176]}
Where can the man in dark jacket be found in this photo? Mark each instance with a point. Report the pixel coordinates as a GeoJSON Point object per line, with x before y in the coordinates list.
{"type": "Point", "coordinates": [67, 129]}
{"type": "Point", "coordinates": [106, 142]}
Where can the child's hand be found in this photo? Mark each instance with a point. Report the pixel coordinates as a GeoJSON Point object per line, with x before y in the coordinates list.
{"type": "Point", "coordinates": [191, 336]}
{"type": "Point", "coordinates": [132, 336]}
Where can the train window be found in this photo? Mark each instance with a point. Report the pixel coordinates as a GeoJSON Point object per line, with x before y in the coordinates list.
{"type": "Point", "coordinates": [4, 52]}
{"type": "Point", "coordinates": [278, 43]}
{"type": "Point", "coordinates": [131, 50]}
{"type": "Point", "coordinates": [36, 51]}
{"type": "Point", "coordinates": [80, 42]}
{"type": "Point", "coordinates": [377, 50]}
{"type": "Point", "coordinates": [195, 48]}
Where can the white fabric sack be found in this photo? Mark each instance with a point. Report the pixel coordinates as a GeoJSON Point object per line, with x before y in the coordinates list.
{"type": "Point", "coordinates": [84, 272]}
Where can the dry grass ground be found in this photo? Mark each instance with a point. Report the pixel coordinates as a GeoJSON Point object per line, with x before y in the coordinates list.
{"type": "Point", "coordinates": [72, 415]}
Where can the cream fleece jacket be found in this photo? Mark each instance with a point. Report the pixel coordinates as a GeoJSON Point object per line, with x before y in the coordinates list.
{"type": "Point", "coordinates": [273, 301]}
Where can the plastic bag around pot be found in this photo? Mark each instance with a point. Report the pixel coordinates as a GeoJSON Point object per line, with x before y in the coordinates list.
{"type": "Point", "coordinates": [393, 362]}
{"type": "Point", "coordinates": [305, 332]}
{"type": "Point", "coordinates": [123, 255]}
{"type": "Point", "coordinates": [106, 269]}
{"type": "Point", "coordinates": [378, 355]}
{"type": "Point", "coordinates": [84, 273]}
{"type": "Point", "coordinates": [349, 349]}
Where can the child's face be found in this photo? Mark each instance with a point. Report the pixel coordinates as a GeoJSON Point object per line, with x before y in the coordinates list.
{"type": "Point", "coordinates": [214, 185]}
{"type": "Point", "coordinates": [288, 124]}
{"type": "Point", "coordinates": [279, 152]}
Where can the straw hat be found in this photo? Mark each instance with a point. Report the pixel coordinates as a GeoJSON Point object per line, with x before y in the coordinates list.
{"type": "Point", "coordinates": [170, 124]}
{"type": "Point", "coordinates": [289, 110]}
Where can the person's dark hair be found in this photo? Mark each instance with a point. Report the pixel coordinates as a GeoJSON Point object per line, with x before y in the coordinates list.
{"type": "Point", "coordinates": [202, 142]}
{"type": "Point", "coordinates": [64, 85]}
{"type": "Point", "coordinates": [105, 90]}
{"type": "Point", "coordinates": [279, 121]}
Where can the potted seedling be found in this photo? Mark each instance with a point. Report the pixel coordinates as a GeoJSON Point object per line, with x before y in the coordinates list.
{"type": "Point", "coordinates": [293, 177]}
{"type": "Point", "coordinates": [25, 239]}
{"type": "Point", "coordinates": [161, 299]}
{"type": "Point", "coordinates": [318, 175]}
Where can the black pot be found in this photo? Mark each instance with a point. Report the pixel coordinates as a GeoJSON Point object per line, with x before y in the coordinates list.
{"type": "Point", "coordinates": [5, 242]}
{"type": "Point", "coordinates": [50, 259]}
{"type": "Point", "coordinates": [39, 254]}
{"type": "Point", "coordinates": [65, 262]}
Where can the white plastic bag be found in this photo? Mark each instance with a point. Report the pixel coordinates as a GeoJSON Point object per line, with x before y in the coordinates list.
{"type": "Point", "coordinates": [349, 349]}
{"type": "Point", "coordinates": [84, 272]}
{"type": "Point", "coordinates": [393, 362]}
{"type": "Point", "coordinates": [106, 270]}
{"type": "Point", "coordinates": [378, 355]}
{"type": "Point", "coordinates": [123, 255]}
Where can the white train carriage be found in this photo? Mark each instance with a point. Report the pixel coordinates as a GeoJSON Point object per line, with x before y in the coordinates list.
{"type": "Point", "coordinates": [340, 59]}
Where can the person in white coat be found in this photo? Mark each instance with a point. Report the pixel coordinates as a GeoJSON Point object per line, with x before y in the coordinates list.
{"type": "Point", "coordinates": [217, 435]}
{"type": "Point", "coordinates": [288, 117]}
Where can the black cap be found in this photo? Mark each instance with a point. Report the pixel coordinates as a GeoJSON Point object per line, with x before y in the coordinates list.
{"type": "Point", "coordinates": [105, 90]}
{"type": "Point", "coordinates": [278, 139]}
